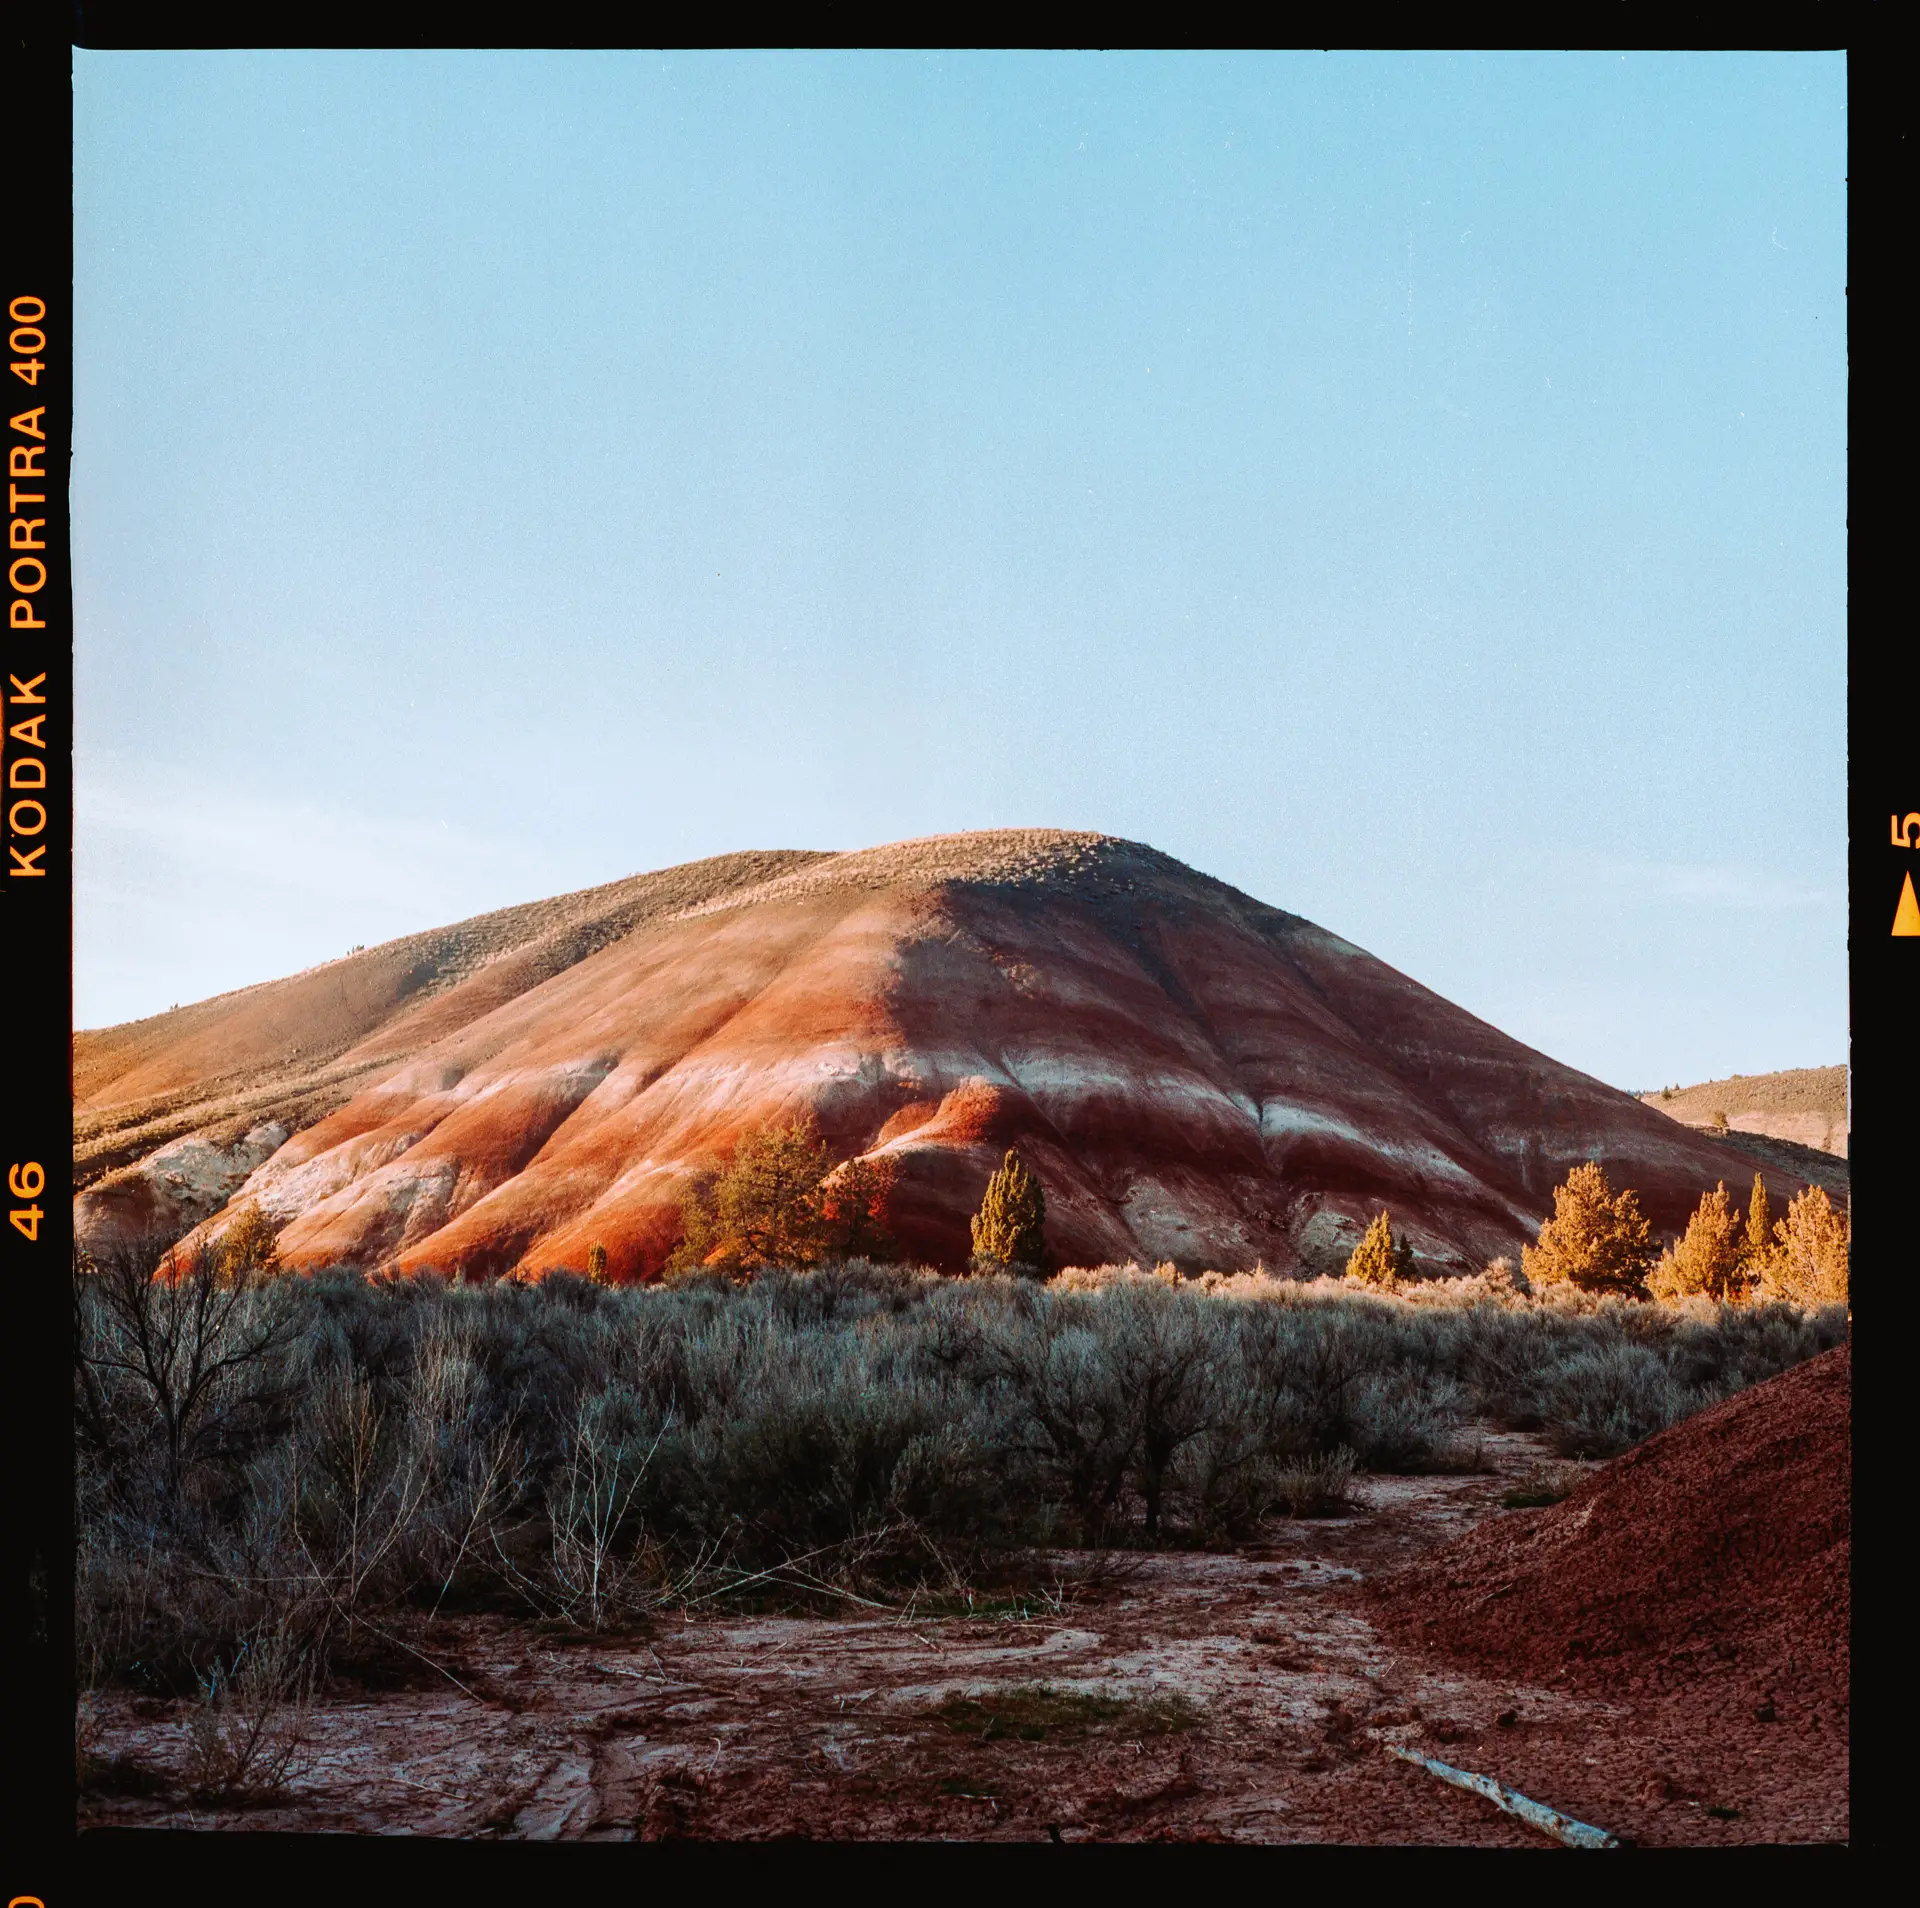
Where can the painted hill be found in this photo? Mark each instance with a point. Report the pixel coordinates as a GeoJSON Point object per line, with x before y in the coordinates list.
{"type": "Point", "coordinates": [1195, 1075]}
{"type": "Point", "coordinates": [1804, 1105]}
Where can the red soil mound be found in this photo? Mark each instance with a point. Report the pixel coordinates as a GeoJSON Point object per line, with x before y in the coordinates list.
{"type": "Point", "coordinates": [1195, 1076]}
{"type": "Point", "coordinates": [1722, 1545]}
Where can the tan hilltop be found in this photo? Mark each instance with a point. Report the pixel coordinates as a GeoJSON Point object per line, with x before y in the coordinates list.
{"type": "Point", "coordinates": [1195, 1075]}
{"type": "Point", "coordinates": [1806, 1105]}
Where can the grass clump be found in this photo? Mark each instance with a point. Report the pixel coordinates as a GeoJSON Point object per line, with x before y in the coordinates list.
{"type": "Point", "coordinates": [1039, 1712]}
{"type": "Point", "coordinates": [1542, 1486]}
{"type": "Point", "coordinates": [1315, 1486]}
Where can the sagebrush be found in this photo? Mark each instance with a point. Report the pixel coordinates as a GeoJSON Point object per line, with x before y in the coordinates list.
{"type": "Point", "coordinates": [282, 1470]}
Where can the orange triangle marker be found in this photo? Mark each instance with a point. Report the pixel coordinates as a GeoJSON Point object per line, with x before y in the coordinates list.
{"type": "Point", "coordinates": [1906, 917]}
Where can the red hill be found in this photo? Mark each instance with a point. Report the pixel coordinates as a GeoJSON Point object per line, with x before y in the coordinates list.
{"type": "Point", "coordinates": [1194, 1075]}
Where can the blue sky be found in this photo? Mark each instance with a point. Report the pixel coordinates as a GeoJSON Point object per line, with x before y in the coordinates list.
{"type": "Point", "coordinates": [1411, 488]}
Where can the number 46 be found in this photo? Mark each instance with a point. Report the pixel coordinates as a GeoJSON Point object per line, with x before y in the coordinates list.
{"type": "Point", "coordinates": [27, 1182]}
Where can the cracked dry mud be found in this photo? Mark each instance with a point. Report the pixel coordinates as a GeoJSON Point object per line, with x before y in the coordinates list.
{"type": "Point", "coordinates": [1244, 1697]}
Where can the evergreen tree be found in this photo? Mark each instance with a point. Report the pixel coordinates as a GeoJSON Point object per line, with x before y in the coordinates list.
{"type": "Point", "coordinates": [1811, 1251]}
{"type": "Point", "coordinates": [1708, 1260]}
{"type": "Point", "coordinates": [762, 1209]}
{"type": "Point", "coordinates": [853, 1203]}
{"type": "Point", "coordinates": [1759, 1241]}
{"type": "Point", "coordinates": [1379, 1259]}
{"type": "Point", "coordinates": [1597, 1240]}
{"type": "Point", "coordinates": [1008, 1230]}
{"type": "Point", "coordinates": [1403, 1271]}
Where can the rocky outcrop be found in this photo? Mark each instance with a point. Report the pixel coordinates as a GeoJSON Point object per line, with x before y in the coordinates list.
{"type": "Point", "coordinates": [170, 1191]}
{"type": "Point", "coordinates": [1194, 1075]}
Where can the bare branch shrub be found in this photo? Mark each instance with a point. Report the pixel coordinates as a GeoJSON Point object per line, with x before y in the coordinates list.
{"type": "Point", "coordinates": [598, 1547]}
{"type": "Point", "coordinates": [186, 1347]}
{"type": "Point", "coordinates": [252, 1720]}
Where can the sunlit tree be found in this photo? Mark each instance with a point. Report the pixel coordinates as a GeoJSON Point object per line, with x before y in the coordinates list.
{"type": "Point", "coordinates": [1380, 1259]}
{"type": "Point", "coordinates": [1811, 1250]}
{"type": "Point", "coordinates": [1597, 1240]}
{"type": "Point", "coordinates": [1709, 1259]}
{"type": "Point", "coordinates": [247, 1243]}
{"type": "Point", "coordinates": [760, 1209]}
{"type": "Point", "coordinates": [1009, 1228]}
{"type": "Point", "coordinates": [853, 1203]}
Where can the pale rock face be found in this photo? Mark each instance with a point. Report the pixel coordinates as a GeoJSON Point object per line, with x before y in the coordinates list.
{"type": "Point", "coordinates": [1193, 1075]}
{"type": "Point", "coordinates": [170, 1191]}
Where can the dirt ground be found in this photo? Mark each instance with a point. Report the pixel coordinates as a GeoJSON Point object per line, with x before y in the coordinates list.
{"type": "Point", "coordinates": [1158, 1697]}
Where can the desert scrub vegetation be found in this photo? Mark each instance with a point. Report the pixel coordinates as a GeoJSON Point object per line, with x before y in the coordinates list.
{"type": "Point", "coordinates": [285, 1478]}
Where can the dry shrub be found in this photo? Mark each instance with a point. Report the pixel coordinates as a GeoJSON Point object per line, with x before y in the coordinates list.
{"type": "Point", "coordinates": [1095, 1278]}
{"type": "Point", "coordinates": [1315, 1486]}
{"type": "Point", "coordinates": [1542, 1485]}
{"type": "Point", "coordinates": [599, 1557]}
{"type": "Point", "coordinates": [251, 1723]}
{"type": "Point", "coordinates": [1603, 1400]}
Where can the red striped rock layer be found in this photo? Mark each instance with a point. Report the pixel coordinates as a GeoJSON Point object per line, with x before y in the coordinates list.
{"type": "Point", "coordinates": [1194, 1076]}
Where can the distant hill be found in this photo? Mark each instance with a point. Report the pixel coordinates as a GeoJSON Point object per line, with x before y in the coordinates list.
{"type": "Point", "coordinates": [1807, 1105]}
{"type": "Point", "coordinates": [1195, 1076]}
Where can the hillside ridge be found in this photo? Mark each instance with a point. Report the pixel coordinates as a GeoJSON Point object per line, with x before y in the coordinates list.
{"type": "Point", "coordinates": [1804, 1105]}
{"type": "Point", "coordinates": [1197, 1076]}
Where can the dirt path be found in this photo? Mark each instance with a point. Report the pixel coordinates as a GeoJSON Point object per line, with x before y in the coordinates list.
{"type": "Point", "coordinates": [1240, 1697]}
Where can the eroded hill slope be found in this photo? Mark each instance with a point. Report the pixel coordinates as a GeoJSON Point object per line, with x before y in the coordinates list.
{"type": "Point", "coordinates": [1196, 1076]}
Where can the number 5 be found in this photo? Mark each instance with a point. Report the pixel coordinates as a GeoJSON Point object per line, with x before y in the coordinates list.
{"type": "Point", "coordinates": [1903, 832]}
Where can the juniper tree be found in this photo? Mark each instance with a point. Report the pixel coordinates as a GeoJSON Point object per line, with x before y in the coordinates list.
{"type": "Point", "coordinates": [1009, 1228]}
{"type": "Point", "coordinates": [1381, 1259]}
{"type": "Point", "coordinates": [1811, 1250]}
{"type": "Point", "coordinates": [1759, 1240]}
{"type": "Point", "coordinates": [1597, 1239]}
{"type": "Point", "coordinates": [1708, 1260]}
{"type": "Point", "coordinates": [762, 1209]}
{"type": "Point", "coordinates": [852, 1205]}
